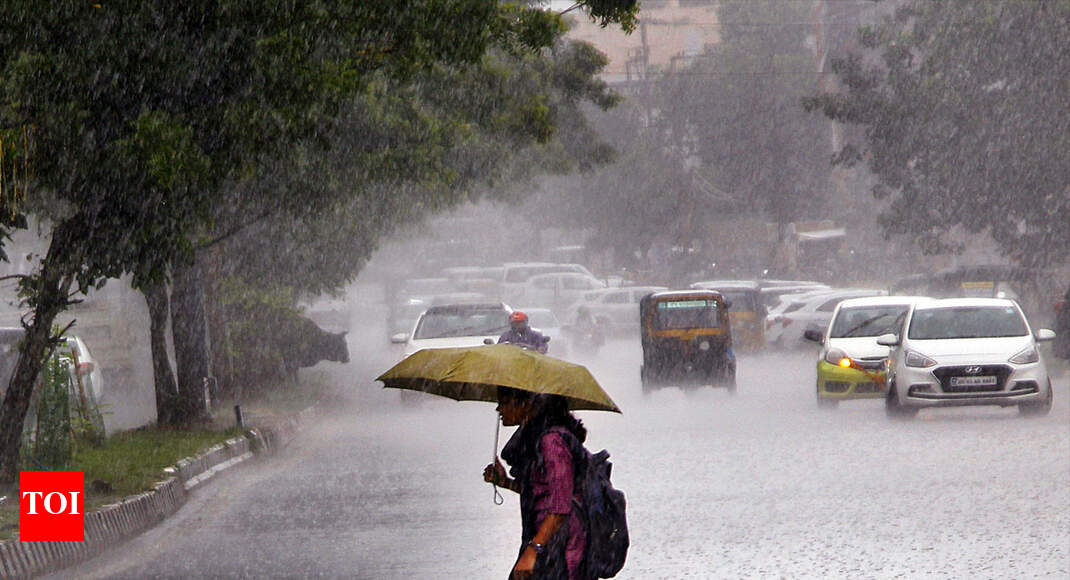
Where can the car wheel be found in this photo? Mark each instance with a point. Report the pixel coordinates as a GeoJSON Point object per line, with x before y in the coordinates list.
{"type": "Point", "coordinates": [894, 410]}
{"type": "Point", "coordinates": [1038, 409]}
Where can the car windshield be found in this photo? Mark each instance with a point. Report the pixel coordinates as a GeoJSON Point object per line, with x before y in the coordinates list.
{"type": "Point", "coordinates": [967, 322]}
{"type": "Point", "coordinates": [454, 323]}
{"type": "Point", "coordinates": [867, 321]}
{"type": "Point", "coordinates": [679, 314]}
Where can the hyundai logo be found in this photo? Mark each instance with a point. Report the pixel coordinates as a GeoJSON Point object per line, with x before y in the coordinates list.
{"type": "Point", "coordinates": [972, 370]}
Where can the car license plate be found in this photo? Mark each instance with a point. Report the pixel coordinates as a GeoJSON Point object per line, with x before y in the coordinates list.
{"type": "Point", "coordinates": [869, 387]}
{"type": "Point", "coordinates": [973, 381]}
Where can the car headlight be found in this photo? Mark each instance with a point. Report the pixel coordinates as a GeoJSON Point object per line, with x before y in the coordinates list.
{"type": "Point", "coordinates": [916, 359]}
{"type": "Point", "coordinates": [836, 356]}
{"type": "Point", "coordinates": [1027, 356]}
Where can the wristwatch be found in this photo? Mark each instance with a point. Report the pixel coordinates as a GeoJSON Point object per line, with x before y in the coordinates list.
{"type": "Point", "coordinates": [539, 548]}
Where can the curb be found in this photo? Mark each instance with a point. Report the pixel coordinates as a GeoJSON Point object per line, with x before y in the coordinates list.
{"type": "Point", "coordinates": [111, 524]}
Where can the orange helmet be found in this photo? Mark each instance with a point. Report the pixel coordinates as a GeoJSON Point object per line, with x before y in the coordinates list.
{"type": "Point", "coordinates": [518, 317]}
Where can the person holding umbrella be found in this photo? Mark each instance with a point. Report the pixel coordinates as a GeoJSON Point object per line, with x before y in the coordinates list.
{"type": "Point", "coordinates": [547, 460]}
{"type": "Point", "coordinates": [547, 463]}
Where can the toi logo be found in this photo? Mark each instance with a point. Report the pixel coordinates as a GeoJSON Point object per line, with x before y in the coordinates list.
{"type": "Point", "coordinates": [52, 506]}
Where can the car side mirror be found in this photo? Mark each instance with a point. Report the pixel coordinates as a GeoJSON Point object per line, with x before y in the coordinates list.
{"type": "Point", "coordinates": [814, 335]}
{"type": "Point", "coordinates": [1045, 334]}
{"type": "Point", "coordinates": [399, 338]}
{"type": "Point", "coordinates": [888, 340]}
{"type": "Point", "coordinates": [488, 341]}
{"type": "Point", "coordinates": [545, 339]}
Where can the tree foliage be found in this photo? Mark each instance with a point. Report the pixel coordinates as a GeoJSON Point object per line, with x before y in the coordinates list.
{"type": "Point", "coordinates": [966, 122]}
{"type": "Point", "coordinates": [130, 118]}
{"type": "Point", "coordinates": [401, 152]}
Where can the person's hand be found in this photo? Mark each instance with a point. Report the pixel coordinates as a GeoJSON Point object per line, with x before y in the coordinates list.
{"type": "Point", "coordinates": [495, 473]}
{"type": "Point", "coordinates": [525, 565]}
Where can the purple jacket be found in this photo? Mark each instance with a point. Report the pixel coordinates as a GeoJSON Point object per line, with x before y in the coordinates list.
{"type": "Point", "coordinates": [527, 338]}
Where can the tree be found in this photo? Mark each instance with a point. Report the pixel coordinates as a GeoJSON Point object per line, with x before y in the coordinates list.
{"type": "Point", "coordinates": [962, 106]}
{"type": "Point", "coordinates": [135, 114]}
{"type": "Point", "coordinates": [401, 152]}
{"type": "Point", "coordinates": [719, 134]}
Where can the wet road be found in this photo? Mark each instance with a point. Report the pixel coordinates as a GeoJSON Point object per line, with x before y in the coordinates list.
{"type": "Point", "coordinates": [762, 485]}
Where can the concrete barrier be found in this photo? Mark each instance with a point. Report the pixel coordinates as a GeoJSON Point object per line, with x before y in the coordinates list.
{"type": "Point", "coordinates": [114, 523]}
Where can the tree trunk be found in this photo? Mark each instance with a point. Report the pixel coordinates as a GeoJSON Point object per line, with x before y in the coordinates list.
{"type": "Point", "coordinates": [218, 336]}
{"type": "Point", "coordinates": [192, 352]}
{"type": "Point", "coordinates": [168, 408]}
{"type": "Point", "coordinates": [51, 299]}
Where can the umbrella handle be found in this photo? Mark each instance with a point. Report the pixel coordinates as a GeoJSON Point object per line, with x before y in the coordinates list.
{"type": "Point", "coordinates": [498, 499]}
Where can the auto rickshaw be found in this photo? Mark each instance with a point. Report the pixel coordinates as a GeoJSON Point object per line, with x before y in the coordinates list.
{"type": "Point", "coordinates": [687, 340]}
{"type": "Point", "coordinates": [747, 314]}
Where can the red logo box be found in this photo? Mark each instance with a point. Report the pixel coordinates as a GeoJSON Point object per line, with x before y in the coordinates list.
{"type": "Point", "coordinates": [52, 506]}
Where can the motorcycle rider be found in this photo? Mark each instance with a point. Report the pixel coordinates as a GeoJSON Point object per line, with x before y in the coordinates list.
{"type": "Point", "coordinates": [587, 329]}
{"type": "Point", "coordinates": [522, 335]}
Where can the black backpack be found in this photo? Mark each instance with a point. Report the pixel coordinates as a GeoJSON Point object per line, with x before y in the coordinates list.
{"type": "Point", "coordinates": [607, 526]}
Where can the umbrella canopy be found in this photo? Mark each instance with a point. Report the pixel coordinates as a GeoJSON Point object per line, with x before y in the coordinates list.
{"type": "Point", "coordinates": [475, 373]}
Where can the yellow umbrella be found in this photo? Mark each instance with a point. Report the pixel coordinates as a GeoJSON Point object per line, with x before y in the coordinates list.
{"type": "Point", "coordinates": [475, 373]}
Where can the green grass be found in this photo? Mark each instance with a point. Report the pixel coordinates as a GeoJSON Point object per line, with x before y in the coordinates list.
{"type": "Point", "coordinates": [130, 462]}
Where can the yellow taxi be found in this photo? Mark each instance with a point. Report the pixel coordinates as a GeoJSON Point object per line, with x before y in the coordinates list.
{"type": "Point", "coordinates": [851, 364]}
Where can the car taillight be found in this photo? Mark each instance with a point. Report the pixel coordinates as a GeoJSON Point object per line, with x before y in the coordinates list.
{"type": "Point", "coordinates": [85, 368]}
{"type": "Point", "coordinates": [785, 321]}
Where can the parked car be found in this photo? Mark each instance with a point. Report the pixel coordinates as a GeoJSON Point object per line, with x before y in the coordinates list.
{"type": "Point", "coordinates": [851, 365]}
{"type": "Point", "coordinates": [559, 290]}
{"type": "Point", "coordinates": [785, 327]}
{"type": "Point", "coordinates": [615, 309]}
{"type": "Point", "coordinates": [84, 365]}
{"type": "Point", "coordinates": [84, 368]}
{"type": "Point", "coordinates": [746, 311]}
{"type": "Point", "coordinates": [485, 280]}
{"type": "Point", "coordinates": [458, 325]}
{"type": "Point", "coordinates": [967, 351]}
{"type": "Point", "coordinates": [515, 278]}
{"type": "Point", "coordinates": [772, 294]}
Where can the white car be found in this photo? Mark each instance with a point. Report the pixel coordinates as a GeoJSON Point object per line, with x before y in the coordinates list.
{"type": "Point", "coordinates": [967, 351]}
{"type": "Point", "coordinates": [559, 290]}
{"type": "Point", "coordinates": [515, 278]}
{"type": "Point", "coordinates": [615, 309]}
{"type": "Point", "coordinates": [482, 279]}
{"type": "Point", "coordinates": [458, 325]}
{"type": "Point", "coordinates": [851, 365]}
{"type": "Point", "coordinates": [811, 311]}
{"type": "Point", "coordinates": [83, 366]}
{"type": "Point", "coordinates": [772, 294]}
{"type": "Point", "coordinates": [87, 367]}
